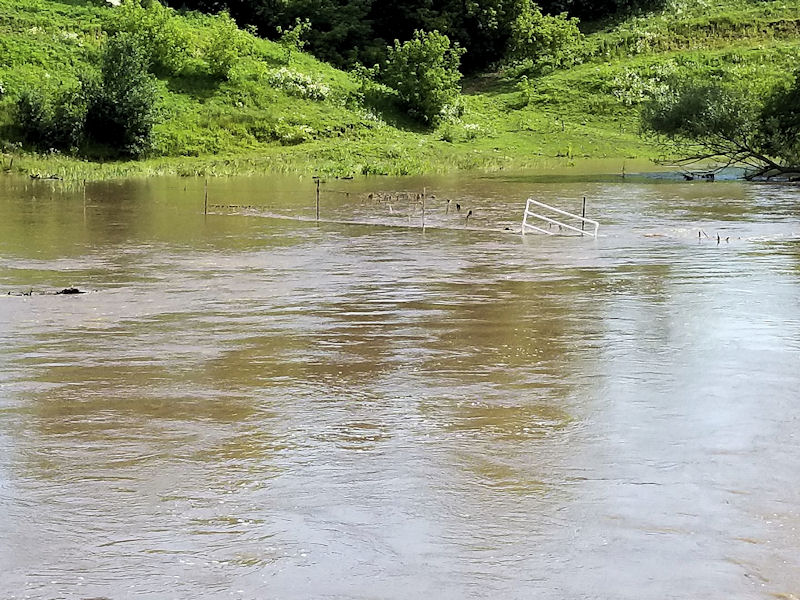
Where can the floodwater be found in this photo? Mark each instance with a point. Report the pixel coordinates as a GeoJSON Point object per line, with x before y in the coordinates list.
{"type": "Point", "coordinates": [246, 406]}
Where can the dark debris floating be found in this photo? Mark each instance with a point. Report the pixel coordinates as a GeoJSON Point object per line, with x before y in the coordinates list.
{"type": "Point", "coordinates": [70, 291]}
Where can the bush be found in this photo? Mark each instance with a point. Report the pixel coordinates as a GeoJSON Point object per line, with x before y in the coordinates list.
{"type": "Point", "coordinates": [157, 31]}
{"type": "Point", "coordinates": [425, 73]}
{"type": "Point", "coordinates": [224, 47]}
{"type": "Point", "coordinates": [298, 84]}
{"type": "Point", "coordinates": [122, 110]}
{"type": "Point", "coordinates": [34, 116]}
{"type": "Point", "coordinates": [291, 38]}
{"type": "Point", "coordinates": [52, 121]}
{"type": "Point", "coordinates": [116, 108]}
{"type": "Point", "coordinates": [543, 39]}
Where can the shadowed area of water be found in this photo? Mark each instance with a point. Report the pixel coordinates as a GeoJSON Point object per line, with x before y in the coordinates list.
{"type": "Point", "coordinates": [251, 405]}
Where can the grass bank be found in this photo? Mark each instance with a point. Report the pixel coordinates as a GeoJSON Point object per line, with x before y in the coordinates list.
{"type": "Point", "coordinates": [287, 112]}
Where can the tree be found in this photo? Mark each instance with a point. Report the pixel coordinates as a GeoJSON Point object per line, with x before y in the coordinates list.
{"type": "Point", "coordinates": [425, 73]}
{"type": "Point", "coordinates": [342, 28]}
{"type": "Point", "coordinates": [780, 119]}
{"type": "Point", "coordinates": [347, 32]}
{"type": "Point", "coordinates": [728, 124]}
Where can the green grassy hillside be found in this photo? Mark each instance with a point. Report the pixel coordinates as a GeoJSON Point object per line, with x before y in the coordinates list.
{"type": "Point", "coordinates": [274, 114]}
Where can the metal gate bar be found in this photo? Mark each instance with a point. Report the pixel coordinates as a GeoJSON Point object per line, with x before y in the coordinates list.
{"type": "Point", "coordinates": [561, 224]}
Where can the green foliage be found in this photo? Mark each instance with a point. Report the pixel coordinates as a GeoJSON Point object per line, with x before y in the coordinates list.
{"type": "Point", "coordinates": [780, 122]}
{"type": "Point", "coordinates": [699, 110]}
{"type": "Point", "coordinates": [633, 87]}
{"type": "Point", "coordinates": [686, 25]}
{"type": "Point", "coordinates": [595, 9]}
{"type": "Point", "coordinates": [157, 32]}
{"type": "Point", "coordinates": [122, 111]}
{"type": "Point", "coordinates": [245, 123]}
{"type": "Point", "coordinates": [224, 46]}
{"type": "Point", "coordinates": [291, 38]}
{"type": "Point", "coordinates": [34, 115]}
{"type": "Point", "coordinates": [542, 39]}
{"type": "Point", "coordinates": [298, 84]}
{"type": "Point", "coordinates": [713, 120]}
{"type": "Point", "coordinates": [458, 132]}
{"type": "Point", "coordinates": [425, 72]}
{"type": "Point", "coordinates": [527, 92]}
{"type": "Point", "coordinates": [52, 120]}
{"type": "Point", "coordinates": [343, 32]}
{"type": "Point", "coordinates": [347, 32]}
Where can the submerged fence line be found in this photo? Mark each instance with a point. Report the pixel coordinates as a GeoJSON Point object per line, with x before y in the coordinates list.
{"type": "Point", "coordinates": [416, 206]}
{"type": "Point", "coordinates": [361, 223]}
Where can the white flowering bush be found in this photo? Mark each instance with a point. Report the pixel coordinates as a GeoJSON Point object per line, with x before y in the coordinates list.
{"type": "Point", "coordinates": [373, 117]}
{"type": "Point", "coordinates": [298, 84]}
{"type": "Point", "coordinates": [451, 112]}
{"type": "Point", "coordinates": [456, 131]}
{"type": "Point", "coordinates": [471, 130]}
{"type": "Point", "coordinates": [645, 42]}
{"type": "Point", "coordinates": [633, 88]}
{"type": "Point", "coordinates": [289, 134]}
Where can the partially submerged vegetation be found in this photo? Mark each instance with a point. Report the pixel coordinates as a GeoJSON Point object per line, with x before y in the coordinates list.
{"type": "Point", "coordinates": [711, 121]}
{"type": "Point", "coordinates": [224, 101]}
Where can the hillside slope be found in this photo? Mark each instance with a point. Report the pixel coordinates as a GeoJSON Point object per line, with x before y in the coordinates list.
{"type": "Point", "coordinates": [293, 113]}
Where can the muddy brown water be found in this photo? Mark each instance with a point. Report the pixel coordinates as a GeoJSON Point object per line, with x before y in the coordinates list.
{"type": "Point", "coordinates": [252, 407]}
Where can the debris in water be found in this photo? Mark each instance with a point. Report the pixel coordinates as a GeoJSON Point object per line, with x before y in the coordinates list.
{"type": "Point", "coordinates": [65, 292]}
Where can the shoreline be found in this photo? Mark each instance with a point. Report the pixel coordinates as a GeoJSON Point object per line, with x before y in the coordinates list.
{"type": "Point", "coordinates": [58, 167]}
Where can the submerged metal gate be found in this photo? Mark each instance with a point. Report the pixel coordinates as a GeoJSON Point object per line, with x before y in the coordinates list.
{"type": "Point", "coordinates": [540, 206]}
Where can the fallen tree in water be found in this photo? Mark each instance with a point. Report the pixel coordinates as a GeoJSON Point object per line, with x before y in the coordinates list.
{"type": "Point", "coordinates": [705, 122]}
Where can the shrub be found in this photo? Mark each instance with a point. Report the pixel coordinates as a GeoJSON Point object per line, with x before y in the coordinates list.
{"type": "Point", "coordinates": [543, 39]}
{"type": "Point", "coordinates": [34, 115]}
{"type": "Point", "coordinates": [298, 84]}
{"type": "Point", "coordinates": [291, 135]}
{"type": "Point", "coordinates": [52, 121]}
{"type": "Point", "coordinates": [69, 119]}
{"type": "Point", "coordinates": [291, 38]}
{"type": "Point", "coordinates": [156, 30]}
{"type": "Point", "coordinates": [425, 73]}
{"type": "Point", "coordinates": [122, 109]}
{"type": "Point", "coordinates": [224, 47]}
{"type": "Point", "coordinates": [695, 110]}
{"type": "Point", "coordinates": [633, 87]}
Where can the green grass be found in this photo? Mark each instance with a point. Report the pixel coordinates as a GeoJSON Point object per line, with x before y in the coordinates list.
{"type": "Point", "coordinates": [251, 124]}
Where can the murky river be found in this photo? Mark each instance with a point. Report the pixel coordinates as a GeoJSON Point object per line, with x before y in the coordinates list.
{"type": "Point", "coordinates": [252, 407]}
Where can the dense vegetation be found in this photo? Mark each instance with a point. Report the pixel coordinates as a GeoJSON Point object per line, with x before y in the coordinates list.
{"type": "Point", "coordinates": [732, 125]}
{"type": "Point", "coordinates": [351, 31]}
{"type": "Point", "coordinates": [208, 96]}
